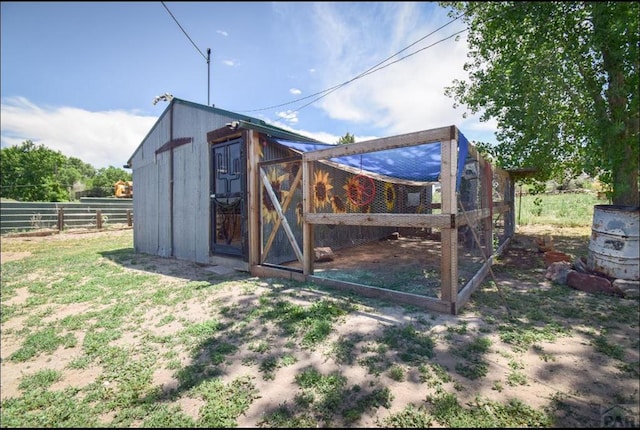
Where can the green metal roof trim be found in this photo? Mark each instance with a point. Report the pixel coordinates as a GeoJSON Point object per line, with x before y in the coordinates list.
{"type": "Point", "coordinates": [214, 109]}
{"type": "Point", "coordinates": [276, 132]}
{"type": "Point", "coordinates": [249, 122]}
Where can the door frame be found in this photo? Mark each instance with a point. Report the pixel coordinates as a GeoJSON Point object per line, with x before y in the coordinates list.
{"type": "Point", "coordinates": [215, 247]}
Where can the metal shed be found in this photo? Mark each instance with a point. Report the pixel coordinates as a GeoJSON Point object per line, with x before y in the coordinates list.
{"type": "Point", "coordinates": [181, 187]}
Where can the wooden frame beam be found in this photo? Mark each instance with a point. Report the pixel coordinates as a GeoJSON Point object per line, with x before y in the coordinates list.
{"type": "Point", "coordinates": [174, 143]}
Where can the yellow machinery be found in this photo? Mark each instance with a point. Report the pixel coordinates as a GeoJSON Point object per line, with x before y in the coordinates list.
{"type": "Point", "coordinates": [124, 189]}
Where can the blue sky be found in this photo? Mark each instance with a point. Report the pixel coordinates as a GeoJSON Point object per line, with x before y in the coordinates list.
{"type": "Point", "coordinates": [81, 77]}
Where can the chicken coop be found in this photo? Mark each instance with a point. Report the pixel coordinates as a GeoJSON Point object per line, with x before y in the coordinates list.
{"type": "Point", "coordinates": [416, 218]}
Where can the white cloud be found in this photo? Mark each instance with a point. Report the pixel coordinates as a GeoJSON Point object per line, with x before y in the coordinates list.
{"type": "Point", "coordinates": [320, 136]}
{"type": "Point", "coordinates": [295, 91]}
{"type": "Point", "coordinates": [229, 63]}
{"type": "Point", "coordinates": [222, 32]}
{"type": "Point", "coordinates": [101, 139]}
{"type": "Point", "coordinates": [402, 97]}
{"type": "Point", "coordinates": [291, 117]}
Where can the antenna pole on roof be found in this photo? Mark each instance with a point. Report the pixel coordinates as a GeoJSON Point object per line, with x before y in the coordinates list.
{"type": "Point", "coordinates": [208, 74]}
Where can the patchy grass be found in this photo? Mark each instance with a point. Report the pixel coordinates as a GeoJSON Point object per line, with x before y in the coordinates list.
{"type": "Point", "coordinates": [95, 335]}
{"type": "Point", "coordinates": [558, 210]}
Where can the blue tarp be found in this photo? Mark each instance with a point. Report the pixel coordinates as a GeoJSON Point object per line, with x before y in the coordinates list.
{"type": "Point", "coordinates": [394, 162]}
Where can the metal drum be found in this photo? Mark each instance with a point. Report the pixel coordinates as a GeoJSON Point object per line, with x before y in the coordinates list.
{"type": "Point", "coordinates": [614, 248]}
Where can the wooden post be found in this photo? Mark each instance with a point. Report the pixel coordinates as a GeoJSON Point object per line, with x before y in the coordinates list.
{"type": "Point", "coordinates": [428, 199]}
{"type": "Point", "coordinates": [449, 241]}
{"type": "Point", "coordinates": [60, 219]}
{"type": "Point", "coordinates": [129, 218]}
{"type": "Point", "coordinates": [99, 219]}
{"type": "Point", "coordinates": [486, 202]}
{"type": "Point", "coordinates": [307, 206]}
{"type": "Point", "coordinates": [253, 198]}
{"type": "Point", "coordinates": [510, 217]}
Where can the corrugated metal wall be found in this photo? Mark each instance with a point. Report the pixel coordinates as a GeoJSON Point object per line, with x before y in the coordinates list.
{"type": "Point", "coordinates": [151, 178]}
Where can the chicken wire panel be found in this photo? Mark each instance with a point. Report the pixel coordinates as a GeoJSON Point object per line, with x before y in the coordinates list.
{"type": "Point", "coordinates": [406, 263]}
{"type": "Point", "coordinates": [501, 186]}
{"type": "Point", "coordinates": [500, 230]}
{"type": "Point", "coordinates": [503, 215]}
{"type": "Point", "coordinates": [474, 247]}
{"type": "Point", "coordinates": [476, 234]}
{"type": "Point", "coordinates": [472, 185]}
{"type": "Point", "coordinates": [336, 190]}
{"type": "Point", "coordinates": [281, 221]}
{"type": "Point", "coordinates": [405, 259]}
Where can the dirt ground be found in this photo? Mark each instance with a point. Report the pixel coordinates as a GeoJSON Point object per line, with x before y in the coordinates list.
{"type": "Point", "coordinates": [585, 380]}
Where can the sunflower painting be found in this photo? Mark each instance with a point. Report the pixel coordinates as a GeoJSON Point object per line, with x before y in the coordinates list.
{"type": "Point", "coordinates": [292, 170]}
{"type": "Point", "coordinates": [258, 147]}
{"type": "Point", "coordinates": [354, 193]}
{"type": "Point", "coordinates": [321, 189]}
{"type": "Point", "coordinates": [338, 205]}
{"type": "Point", "coordinates": [299, 213]}
{"type": "Point", "coordinates": [389, 195]}
{"type": "Point", "coordinates": [269, 212]}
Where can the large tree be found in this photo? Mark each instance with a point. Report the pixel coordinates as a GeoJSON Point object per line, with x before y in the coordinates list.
{"type": "Point", "coordinates": [561, 79]}
{"type": "Point", "coordinates": [33, 172]}
{"type": "Point", "coordinates": [30, 173]}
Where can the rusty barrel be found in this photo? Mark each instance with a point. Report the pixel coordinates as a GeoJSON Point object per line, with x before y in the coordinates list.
{"type": "Point", "coordinates": [614, 248]}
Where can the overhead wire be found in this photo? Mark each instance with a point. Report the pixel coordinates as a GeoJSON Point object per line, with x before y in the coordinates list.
{"type": "Point", "coordinates": [183, 30]}
{"type": "Point", "coordinates": [321, 94]}
{"type": "Point", "coordinates": [372, 69]}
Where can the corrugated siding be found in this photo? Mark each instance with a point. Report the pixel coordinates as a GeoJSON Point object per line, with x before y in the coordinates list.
{"type": "Point", "coordinates": [151, 192]}
{"type": "Point", "coordinates": [192, 182]}
{"type": "Point", "coordinates": [203, 224]}
{"type": "Point", "coordinates": [145, 184]}
{"type": "Point", "coordinates": [191, 209]}
{"type": "Point", "coordinates": [164, 218]}
{"type": "Point", "coordinates": [185, 207]}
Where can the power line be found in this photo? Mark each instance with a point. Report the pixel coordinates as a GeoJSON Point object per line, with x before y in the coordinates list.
{"type": "Point", "coordinates": [185, 33]}
{"type": "Point", "coordinates": [373, 70]}
{"type": "Point", "coordinates": [369, 71]}
{"type": "Point", "coordinates": [326, 92]}
{"type": "Point", "coordinates": [206, 57]}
